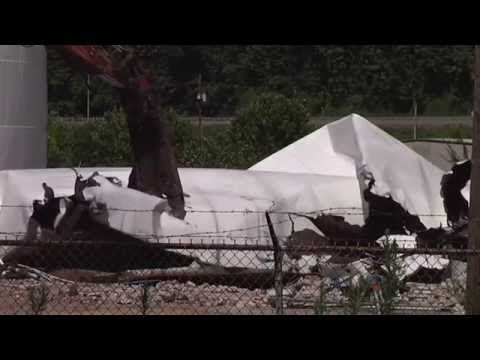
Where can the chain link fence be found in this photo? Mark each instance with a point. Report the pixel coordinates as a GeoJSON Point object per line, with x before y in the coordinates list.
{"type": "Point", "coordinates": [134, 278]}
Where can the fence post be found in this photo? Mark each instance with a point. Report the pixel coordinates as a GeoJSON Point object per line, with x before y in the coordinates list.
{"type": "Point", "coordinates": [277, 272]}
{"type": "Point", "coordinates": [472, 296]}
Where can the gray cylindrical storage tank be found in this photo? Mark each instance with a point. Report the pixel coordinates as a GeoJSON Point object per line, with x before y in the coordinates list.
{"type": "Point", "coordinates": [23, 107]}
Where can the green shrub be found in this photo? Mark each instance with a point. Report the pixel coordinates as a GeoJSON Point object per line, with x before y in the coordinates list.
{"type": "Point", "coordinates": [182, 134]}
{"type": "Point", "coordinates": [391, 280]}
{"type": "Point", "coordinates": [356, 295]}
{"type": "Point", "coordinates": [447, 105]}
{"type": "Point", "coordinates": [318, 105]}
{"type": "Point", "coordinates": [246, 98]}
{"type": "Point", "coordinates": [106, 143]}
{"type": "Point", "coordinates": [89, 143]}
{"type": "Point", "coordinates": [39, 297]}
{"type": "Point", "coordinates": [219, 149]}
{"type": "Point", "coordinates": [353, 104]}
{"type": "Point", "coordinates": [269, 123]}
{"type": "Point", "coordinates": [112, 140]}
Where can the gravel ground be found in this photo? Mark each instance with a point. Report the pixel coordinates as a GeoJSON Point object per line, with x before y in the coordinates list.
{"type": "Point", "coordinates": [175, 298]}
{"type": "Point", "coordinates": [164, 298]}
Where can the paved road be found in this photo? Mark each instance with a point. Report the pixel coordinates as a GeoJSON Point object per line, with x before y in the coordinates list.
{"type": "Point", "coordinates": [390, 122]}
{"type": "Point", "coordinates": [383, 122]}
{"type": "Point", "coordinates": [409, 122]}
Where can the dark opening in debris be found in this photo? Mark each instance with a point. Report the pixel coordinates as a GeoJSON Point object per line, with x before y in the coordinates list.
{"type": "Point", "coordinates": [456, 206]}
{"type": "Point", "coordinates": [385, 216]}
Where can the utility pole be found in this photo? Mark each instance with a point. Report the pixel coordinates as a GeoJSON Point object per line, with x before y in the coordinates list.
{"type": "Point", "coordinates": [201, 100]}
{"type": "Point", "coordinates": [472, 296]}
{"type": "Point", "coordinates": [88, 97]}
{"type": "Point", "coordinates": [199, 105]}
{"type": "Point", "coordinates": [415, 113]}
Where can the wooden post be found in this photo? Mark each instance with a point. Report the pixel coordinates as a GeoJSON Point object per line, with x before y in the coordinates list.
{"type": "Point", "coordinates": [199, 106]}
{"type": "Point", "coordinates": [278, 258]}
{"type": "Point", "coordinates": [415, 113]}
{"type": "Point", "coordinates": [200, 115]}
{"type": "Point", "coordinates": [472, 298]}
{"type": "Point", "coordinates": [88, 97]}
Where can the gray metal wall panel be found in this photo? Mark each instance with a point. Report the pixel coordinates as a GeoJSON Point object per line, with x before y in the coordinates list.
{"type": "Point", "coordinates": [23, 107]}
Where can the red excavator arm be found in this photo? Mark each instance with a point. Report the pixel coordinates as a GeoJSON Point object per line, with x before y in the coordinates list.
{"type": "Point", "coordinates": [94, 60]}
{"type": "Point", "coordinates": [155, 170]}
{"type": "Point", "coordinates": [115, 64]}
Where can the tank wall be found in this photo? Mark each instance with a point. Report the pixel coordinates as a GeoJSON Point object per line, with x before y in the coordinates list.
{"type": "Point", "coordinates": [23, 107]}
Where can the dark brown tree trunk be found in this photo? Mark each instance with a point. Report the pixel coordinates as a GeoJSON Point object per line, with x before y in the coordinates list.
{"type": "Point", "coordinates": [473, 268]}
{"type": "Point", "coordinates": [155, 169]}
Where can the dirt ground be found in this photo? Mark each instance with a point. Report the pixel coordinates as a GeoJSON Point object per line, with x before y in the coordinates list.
{"type": "Point", "coordinates": [173, 298]}
{"type": "Point", "coordinates": [117, 299]}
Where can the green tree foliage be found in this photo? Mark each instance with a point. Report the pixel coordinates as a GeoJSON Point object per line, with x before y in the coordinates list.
{"type": "Point", "coordinates": [219, 148]}
{"type": "Point", "coordinates": [267, 124]}
{"type": "Point", "coordinates": [67, 90]}
{"type": "Point", "coordinates": [106, 143]}
{"type": "Point", "coordinates": [380, 78]}
{"type": "Point", "coordinates": [93, 143]}
{"type": "Point", "coordinates": [321, 80]}
{"type": "Point", "coordinates": [270, 122]}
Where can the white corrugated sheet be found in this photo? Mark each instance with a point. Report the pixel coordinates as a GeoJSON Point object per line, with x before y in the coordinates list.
{"type": "Point", "coordinates": [224, 206]}
{"type": "Point", "coordinates": [316, 173]}
{"type": "Point", "coordinates": [347, 146]}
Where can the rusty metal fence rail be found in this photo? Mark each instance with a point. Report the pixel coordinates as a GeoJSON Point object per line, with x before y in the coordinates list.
{"type": "Point", "coordinates": [105, 278]}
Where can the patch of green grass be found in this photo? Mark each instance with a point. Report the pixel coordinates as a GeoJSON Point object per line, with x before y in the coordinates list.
{"type": "Point", "coordinates": [444, 132]}
{"type": "Point", "coordinates": [210, 130]}
{"type": "Point", "coordinates": [403, 134]}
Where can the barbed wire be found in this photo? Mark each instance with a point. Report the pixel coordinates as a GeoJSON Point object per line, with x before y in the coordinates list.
{"type": "Point", "coordinates": [347, 211]}
{"type": "Point", "coordinates": [205, 234]}
{"type": "Point", "coordinates": [339, 247]}
{"type": "Point", "coordinates": [217, 233]}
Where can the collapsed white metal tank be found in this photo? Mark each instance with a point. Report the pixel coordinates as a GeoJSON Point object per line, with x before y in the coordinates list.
{"type": "Point", "coordinates": [23, 107]}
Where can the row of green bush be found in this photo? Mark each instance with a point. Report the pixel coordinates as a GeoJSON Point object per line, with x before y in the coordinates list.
{"type": "Point", "coordinates": [263, 125]}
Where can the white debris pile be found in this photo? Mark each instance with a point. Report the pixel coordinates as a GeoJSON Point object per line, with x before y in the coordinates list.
{"type": "Point", "coordinates": [348, 146]}
{"type": "Point", "coordinates": [323, 173]}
